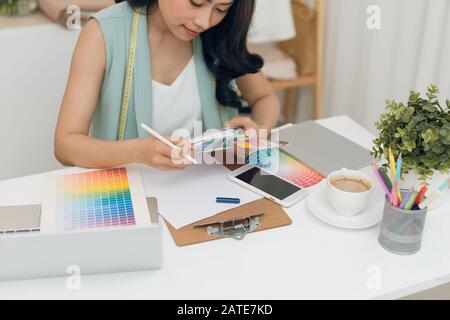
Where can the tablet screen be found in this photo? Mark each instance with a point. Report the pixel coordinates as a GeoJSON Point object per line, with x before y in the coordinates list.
{"type": "Point", "coordinates": [268, 183]}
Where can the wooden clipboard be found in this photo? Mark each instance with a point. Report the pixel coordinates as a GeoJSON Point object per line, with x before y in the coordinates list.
{"type": "Point", "coordinates": [274, 216]}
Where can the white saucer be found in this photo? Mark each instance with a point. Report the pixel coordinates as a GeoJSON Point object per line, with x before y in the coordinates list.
{"type": "Point", "coordinates": [321, 208]}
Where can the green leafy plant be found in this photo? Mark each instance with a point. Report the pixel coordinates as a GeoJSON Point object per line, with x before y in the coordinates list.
{"type": "Point", "coordinates": [9, 6]}
{"type": "Point", "coordinates": [17, 7]}
{"type": "Point", "coordinates": [420, 130]}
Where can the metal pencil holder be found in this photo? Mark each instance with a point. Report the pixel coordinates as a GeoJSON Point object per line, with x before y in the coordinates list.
{"type": "Point", "coordinates": [401, 230]}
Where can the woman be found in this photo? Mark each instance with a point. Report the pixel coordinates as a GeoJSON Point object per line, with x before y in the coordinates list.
{"type": "Point", "coordinates": [191, 57]}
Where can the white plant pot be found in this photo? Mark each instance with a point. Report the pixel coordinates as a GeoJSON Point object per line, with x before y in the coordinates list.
{"type": "Point", "coordinates": [411, 179]}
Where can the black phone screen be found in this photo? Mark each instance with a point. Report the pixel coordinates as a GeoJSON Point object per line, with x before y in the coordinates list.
{"type": "Point", "coordinates": [268, 183]}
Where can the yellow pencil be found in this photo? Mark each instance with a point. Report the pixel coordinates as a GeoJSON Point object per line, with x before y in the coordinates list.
{"type": "Point", "coordinates": [392, 164]}
{"type": "Point", "coordinates": [394, 172]}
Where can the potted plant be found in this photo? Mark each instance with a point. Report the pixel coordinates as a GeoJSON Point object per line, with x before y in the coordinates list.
{"type": "Point", "coordinates": [17, 7]}
{"type": "Point", "coordinates": [420, 130]}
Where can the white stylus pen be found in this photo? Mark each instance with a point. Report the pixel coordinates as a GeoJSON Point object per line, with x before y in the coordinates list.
{"type": "Point", "coordinates": [167, 142]}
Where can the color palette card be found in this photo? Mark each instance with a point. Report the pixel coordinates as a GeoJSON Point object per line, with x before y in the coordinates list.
{"type": "Point", "coordinates": [216, 134]}
{"type": "Point", "coordinates": [91, 199]}
{"type": "Point", "coordinates": [214, 144]}
{"type": "Point", "coordinates": [254, 144]}
{"type": "Point", "coordinates": [285, 166]}
{"type": "Point", "coordinates": [215, 140]}
{"type": "Point", "coordinates": [240, 141]}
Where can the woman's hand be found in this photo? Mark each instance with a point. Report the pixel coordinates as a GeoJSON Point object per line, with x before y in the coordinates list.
{"type": "Point", "coordinates": [245, 123]}
{"type": "Point", "coordinates": [157, 154]}
{"type": "Point", "coordinates": [250, 127]}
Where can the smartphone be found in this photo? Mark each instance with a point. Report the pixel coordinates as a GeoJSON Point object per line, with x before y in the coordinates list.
{"type": "Point", "coordinates": [268, 185]}
{"type": "Point", "coordinates": [288, 167]}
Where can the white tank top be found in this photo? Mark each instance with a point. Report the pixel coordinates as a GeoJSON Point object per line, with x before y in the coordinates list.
{"type": "Point", "coordinates": [177, 106]}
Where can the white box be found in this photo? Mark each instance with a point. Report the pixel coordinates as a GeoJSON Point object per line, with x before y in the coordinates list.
{"type": "Point", "coordinates": [54, 254]}
{"type": "Point", "coordinates": [54, 250]}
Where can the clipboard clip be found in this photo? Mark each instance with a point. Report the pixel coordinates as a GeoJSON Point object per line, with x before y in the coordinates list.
{"type": "Point", "coordinates": [236, 228]}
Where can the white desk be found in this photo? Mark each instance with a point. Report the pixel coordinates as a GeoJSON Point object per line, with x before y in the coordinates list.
{"type": "Point", "coordinates": [307, 260]}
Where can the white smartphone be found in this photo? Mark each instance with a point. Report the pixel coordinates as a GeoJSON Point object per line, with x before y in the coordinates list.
{"type": "Point", "coordinates": [268, 185]}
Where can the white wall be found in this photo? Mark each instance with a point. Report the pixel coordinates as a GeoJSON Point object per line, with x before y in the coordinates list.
{"type": "Point", "coordinates": [34, 64]}
{"type": "Point", "coordinates": [364, 67]}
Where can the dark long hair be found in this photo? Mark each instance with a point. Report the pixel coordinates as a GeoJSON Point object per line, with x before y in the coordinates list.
{"type": "Point", "coordinates": [225, 48]}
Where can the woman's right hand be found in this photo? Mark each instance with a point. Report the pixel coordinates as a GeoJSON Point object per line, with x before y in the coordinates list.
{"type": "Point", "coordinates": [157, 154]}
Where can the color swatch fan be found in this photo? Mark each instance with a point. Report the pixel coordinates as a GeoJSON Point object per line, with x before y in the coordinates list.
{"type": "Point", "coordinates": [285, 166]}
{"type": "Point", "coordinates": [94, 199]}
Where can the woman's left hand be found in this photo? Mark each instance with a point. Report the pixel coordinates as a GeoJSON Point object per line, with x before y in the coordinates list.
{"type": "Point", "coordinates": [245, 123]}
{"type": "Point", "coordinates": [250, 127]}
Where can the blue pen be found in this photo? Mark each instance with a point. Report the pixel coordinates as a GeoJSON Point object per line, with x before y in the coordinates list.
{"type": "Point", "coordinates": [228, 200]}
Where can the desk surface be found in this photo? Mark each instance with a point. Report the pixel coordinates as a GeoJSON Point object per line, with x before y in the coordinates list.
{"type": "Point", "coordinates": [307, 260]}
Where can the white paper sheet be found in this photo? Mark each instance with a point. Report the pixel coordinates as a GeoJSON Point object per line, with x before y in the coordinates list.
{"type": "Point", "coordinates": [188, 196]}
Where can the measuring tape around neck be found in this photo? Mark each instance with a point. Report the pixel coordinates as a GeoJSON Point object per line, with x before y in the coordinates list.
{"type": "Point", "coordinates": [128, 78]}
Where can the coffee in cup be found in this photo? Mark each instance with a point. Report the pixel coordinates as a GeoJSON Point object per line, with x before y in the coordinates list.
{"type": "Point", "coordinates": [351, 184]}
{"type": "Point", "coordinates": [349, 191]}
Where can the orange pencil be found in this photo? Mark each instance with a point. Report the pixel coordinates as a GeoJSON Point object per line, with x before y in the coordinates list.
{"type": "Point", "coordinates": [421, 194]}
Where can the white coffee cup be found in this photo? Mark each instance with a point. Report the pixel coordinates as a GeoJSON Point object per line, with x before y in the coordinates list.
{"type": "Point", "coordinates": [348, 203]}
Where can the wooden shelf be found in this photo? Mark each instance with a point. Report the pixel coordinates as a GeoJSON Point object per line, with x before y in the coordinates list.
{"type": "Point", "coordinates": [294, 48]}
{"type": "Point", "coordinates": [289, 84]}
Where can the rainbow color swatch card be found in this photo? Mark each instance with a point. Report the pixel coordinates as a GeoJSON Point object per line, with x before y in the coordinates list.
{"type": "Point", "coordinates": [254, 144]}
{"type": "Point", "coordinates": [285, 166]}
{"type": "Point", "coordinates": [209, 145]}
{"type": "Point", "coordinates": [240, 141]}
{"type": "Point", "coordinates": [214, 140]}
{"type": "Point", "coordinates": [91, 199]}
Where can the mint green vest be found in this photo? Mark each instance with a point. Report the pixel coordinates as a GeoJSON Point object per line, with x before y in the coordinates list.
{"type": "Point", "coordinates": [115, 23]}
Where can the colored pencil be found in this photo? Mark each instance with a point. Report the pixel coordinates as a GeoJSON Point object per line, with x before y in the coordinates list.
{"type": "Point", "coordinates": [386, 179]}
{"type": "Point", "coordinates": [392, 165]}
{"type": "Point", "coordinates": [394, 194]}
{"type": "Point", "coordinates": [410, 203]}
{"type": "Point", "coordinates": [421, 194]}
{"type": "Point", "coordinates": [398, 169]}
{"type": "Point", "coordinates": [380, 179]}
{"type": "Point", "coordinates": [406, 198]}
{"type": "Point", "coordinates": [398, 173]}
{"type": "Point", "coordinates": [394, 172]}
